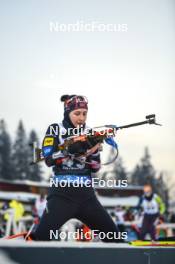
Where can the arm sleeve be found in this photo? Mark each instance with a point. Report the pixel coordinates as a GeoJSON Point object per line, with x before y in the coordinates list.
{"type": "Point", "coordinates": [161, 204]}
{"type": "Point", "coordinates": [50, 144]}
{"type": "Point", "coordinates": [95, 161]}
{"type": "Point", "coordinates": [139, 205]}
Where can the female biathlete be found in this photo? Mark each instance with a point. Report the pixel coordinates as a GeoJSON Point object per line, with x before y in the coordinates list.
{"type": "Point", "coordinates": [66, 202]}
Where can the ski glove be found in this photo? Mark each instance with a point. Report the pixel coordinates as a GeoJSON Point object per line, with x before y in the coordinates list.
{"type": "Point", "coordinates": [78, 148]}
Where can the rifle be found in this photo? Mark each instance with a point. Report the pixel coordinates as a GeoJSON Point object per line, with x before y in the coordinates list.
{"type": "Point", "coordinates": [105, 134]}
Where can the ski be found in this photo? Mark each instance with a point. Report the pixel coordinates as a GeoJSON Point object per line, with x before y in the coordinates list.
{"type": "Point", "coordinates": [152, 243]}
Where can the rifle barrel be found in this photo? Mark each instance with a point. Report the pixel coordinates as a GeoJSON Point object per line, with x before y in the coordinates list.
{"type": "Point", "coordinates": [136, 124]}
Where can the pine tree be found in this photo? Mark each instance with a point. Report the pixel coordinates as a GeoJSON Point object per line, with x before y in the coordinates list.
{"type": "Point", "coordinates": [35, 173]}
{"type": "Point", "coordinates": [144, 172]}
{"type": "Point", "coordinates": [119, 169]}
{"type": "Point", "coordinates": [116, 169]}
{"type": "Point", "coordinates": [6, 168]}
{"type": "Point", "coordinates": [20, 154]}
